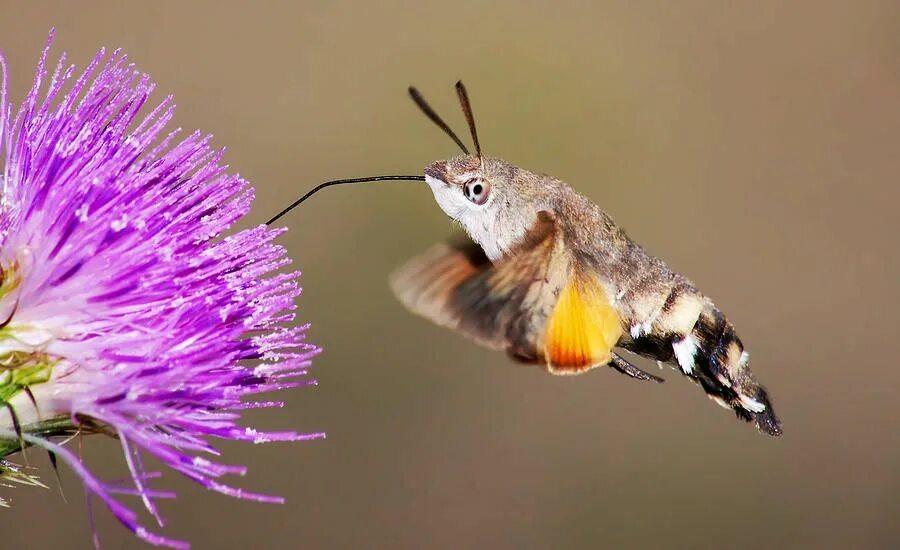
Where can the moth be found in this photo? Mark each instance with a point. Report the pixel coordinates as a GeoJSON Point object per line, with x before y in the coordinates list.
{"type": "Point", "coordinates": [548, 277]}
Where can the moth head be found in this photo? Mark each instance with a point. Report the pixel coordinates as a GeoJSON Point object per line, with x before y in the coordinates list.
{"type": "Point", "coordinates": [484, 194]}
{"type": "Point", "coordinates": [463, 186]}
{"type": "Point", "coordinates": [487, 196]}
{"type": "Point", "coordinates": [481, 193]}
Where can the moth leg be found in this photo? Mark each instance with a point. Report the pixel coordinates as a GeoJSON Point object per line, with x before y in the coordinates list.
{"type": "Point", "coordinates": [622, 365]}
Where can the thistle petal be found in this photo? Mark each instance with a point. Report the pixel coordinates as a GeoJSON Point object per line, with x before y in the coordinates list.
{"type": "Point", "coordinates": [127, 304]}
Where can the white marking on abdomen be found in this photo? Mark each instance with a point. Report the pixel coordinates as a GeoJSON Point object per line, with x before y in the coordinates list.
{"type": "Point", "coordinates": [751, 404]}
{"type": "Point", "coordinates": [684, 352]}
{"type": "Point", "coordinates": [637, 330]}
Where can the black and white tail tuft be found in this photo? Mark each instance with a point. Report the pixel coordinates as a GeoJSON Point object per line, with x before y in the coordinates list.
{"type": "Point", "coordinates": [715, 358]}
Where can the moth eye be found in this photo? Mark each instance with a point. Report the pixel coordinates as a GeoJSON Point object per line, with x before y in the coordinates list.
{"type": "Point", "coordinates": [477, 191]}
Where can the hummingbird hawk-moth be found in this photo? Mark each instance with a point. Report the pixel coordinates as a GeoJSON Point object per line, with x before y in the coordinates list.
{"type": "Point", "coordinates": [547, 276]}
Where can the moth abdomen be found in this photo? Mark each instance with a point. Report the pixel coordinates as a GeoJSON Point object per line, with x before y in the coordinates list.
{"type": "Point", "coordinates": [690, 332]}
{"type": "Point", "coordinates": [715, 355]}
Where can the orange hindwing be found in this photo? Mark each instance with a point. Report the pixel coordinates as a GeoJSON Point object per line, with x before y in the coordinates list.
{"type": "Point", "coordinates": [582, 330]}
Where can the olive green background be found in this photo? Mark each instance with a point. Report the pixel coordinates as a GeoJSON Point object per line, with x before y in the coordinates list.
{"type": "Point", "coordinates": [756, 148]}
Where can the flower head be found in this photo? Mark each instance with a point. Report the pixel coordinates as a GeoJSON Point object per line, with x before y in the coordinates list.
{"type": "Point", "coordinates": [124, 307]}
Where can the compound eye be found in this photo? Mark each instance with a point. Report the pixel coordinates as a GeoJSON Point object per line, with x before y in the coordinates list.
{"type": "Point", "coordinates": [477, 191]}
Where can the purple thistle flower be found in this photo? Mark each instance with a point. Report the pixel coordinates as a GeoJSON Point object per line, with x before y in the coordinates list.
{"type": "Point", "coordinates": [123, 308]}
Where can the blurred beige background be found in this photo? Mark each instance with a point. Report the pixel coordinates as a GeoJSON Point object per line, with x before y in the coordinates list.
{"type": "Point", "coordinates": [755, 148]}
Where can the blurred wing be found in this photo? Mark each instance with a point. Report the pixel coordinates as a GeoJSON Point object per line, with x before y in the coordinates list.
{"type": "Point", "coordinates": [456, 286]}
{"type": "Point", "coordinates": [531, 303]}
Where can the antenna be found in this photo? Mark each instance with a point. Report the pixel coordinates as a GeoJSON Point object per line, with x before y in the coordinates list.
{"type": "Point", "coordinates": [467, 110]}
{"type": "Point", "coordinates": [429, 112]}
{"type": "Point", "coordinates": [321, 186]}
{"type": "Point", "coordinates": [419, 100]}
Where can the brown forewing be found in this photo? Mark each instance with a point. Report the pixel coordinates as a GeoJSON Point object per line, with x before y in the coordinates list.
{"type": "Point", "coordinates": [502, 305]}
